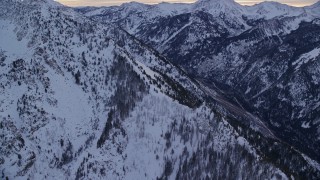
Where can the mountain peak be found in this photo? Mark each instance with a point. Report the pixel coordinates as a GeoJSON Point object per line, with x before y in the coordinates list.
{"type": "Point", "coordinates": [314, 9]}
{"type": "Point", "coordinates": [220, 4]}
{"type": "Point", "coordinates": [215, 7]}
{"type": "Point", "coordinates": [215, 1]}
{"type": "Point", "coordinates": [42, 2]}
{"type": "Point", "coordinates": [316, 5]}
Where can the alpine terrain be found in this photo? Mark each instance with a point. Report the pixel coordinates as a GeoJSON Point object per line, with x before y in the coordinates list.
{"type": "Point", "coordinates": [210, 90]}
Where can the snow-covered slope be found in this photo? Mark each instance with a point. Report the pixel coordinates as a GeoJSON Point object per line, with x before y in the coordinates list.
{"type": "Point", "coordinates": [269, 10]}
{"type": "Point", "coordinates": [314, 9]}
{"type": "Point", "coordinates": [235, 16]}
{"type": "Point", "coordinates": [133, 13]}
{"type": "Point", "coordinates": [84, 100]}
{"type": "Point", "coordinates": [262, 58]}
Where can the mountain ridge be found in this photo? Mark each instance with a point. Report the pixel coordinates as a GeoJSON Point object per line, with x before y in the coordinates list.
{"type": "Point", "coordinates": [249, 59]}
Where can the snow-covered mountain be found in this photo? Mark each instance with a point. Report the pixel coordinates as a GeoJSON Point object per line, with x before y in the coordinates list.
{"type": "Point", "coordinates": [269, 10]}
{"type": "Point", "coordinates": [262, 58]}
{"type": "Point", "coordinates": [82, 99]}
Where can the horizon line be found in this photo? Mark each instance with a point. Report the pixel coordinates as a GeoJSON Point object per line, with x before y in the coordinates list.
{"type": "Point", "coordinates": [74, 3]}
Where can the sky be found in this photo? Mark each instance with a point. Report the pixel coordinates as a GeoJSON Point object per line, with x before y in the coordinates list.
{"type": "Point", "coordinates": [118, 2]}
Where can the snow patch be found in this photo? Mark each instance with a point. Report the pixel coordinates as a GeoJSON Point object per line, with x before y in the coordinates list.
{"type": "Point", "coordinates": [9, 41]}
{"type": "Point", "coordinates": [305, 58]}
{"type": "Point", "coordinates": [305, 125]}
